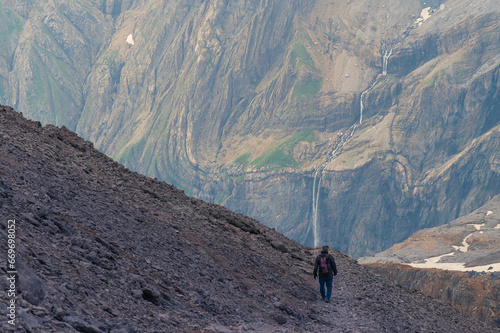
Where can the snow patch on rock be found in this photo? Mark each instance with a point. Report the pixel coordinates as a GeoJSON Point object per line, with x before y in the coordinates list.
{"type": "Point", "coordinates": [465, 245]}
{"type": "Point", "coordinates": [455, 266]}
{"type": "Point", "coordinates": [424, 15]}
{"type": "Point", "coordinates": [477, 226]}
{"type": "Point", "coordinates": [130, 39]}
{"type": "Point", "coordinates": [458, 266]}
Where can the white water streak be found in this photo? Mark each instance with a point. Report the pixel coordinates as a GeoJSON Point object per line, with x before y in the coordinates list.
{"type": "Point", "coordinates": [345, 137]}
{"type": "Point", "coordinates": [318, 176]}
{"type": "Point", "coordinates": [315, 208]}
{"type": "Point", "coordinates": [361, 105]}
{"type": "Point", "coordinates": [385, 61]}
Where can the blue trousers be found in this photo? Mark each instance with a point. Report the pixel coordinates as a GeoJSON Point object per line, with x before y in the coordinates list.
{"type": "Point", "coordinates": [328, 283]}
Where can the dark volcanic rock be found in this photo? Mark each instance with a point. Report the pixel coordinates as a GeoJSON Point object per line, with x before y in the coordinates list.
{"type": "Point", "coordinates": [108, 250]}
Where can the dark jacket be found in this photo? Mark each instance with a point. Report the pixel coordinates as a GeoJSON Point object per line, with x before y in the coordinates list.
{"type": "Point", "coordinates": [332, 267]}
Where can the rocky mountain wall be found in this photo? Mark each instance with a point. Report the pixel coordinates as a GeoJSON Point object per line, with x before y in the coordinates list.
{"type": "Point", "coordinates": [243, 102]}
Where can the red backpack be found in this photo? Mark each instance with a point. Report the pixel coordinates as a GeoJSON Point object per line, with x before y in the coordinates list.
{"type": "Point", "coordinates": [324, 265]}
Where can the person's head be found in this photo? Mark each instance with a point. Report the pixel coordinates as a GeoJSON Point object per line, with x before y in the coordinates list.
{"type": "Point", "coordinates": [325, 248]}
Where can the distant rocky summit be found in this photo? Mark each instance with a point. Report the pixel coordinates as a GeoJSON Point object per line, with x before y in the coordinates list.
{"type": "Point", "coordinates": [102, 249]}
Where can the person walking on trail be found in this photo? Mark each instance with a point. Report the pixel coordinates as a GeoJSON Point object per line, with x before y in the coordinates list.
{"type": "Point", "coordinates": [325, 268]}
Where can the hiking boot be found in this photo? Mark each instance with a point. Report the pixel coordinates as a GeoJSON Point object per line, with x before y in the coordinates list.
{"type": "Point", "coordinates": [327, 300]}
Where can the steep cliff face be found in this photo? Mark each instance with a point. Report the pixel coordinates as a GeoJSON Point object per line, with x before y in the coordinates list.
{"type": "Point", "coordinates": [244, 102]}
{"type": "Point", "coordinates": [54, 46]}
{"type": "Point", "coordinates": [426, 153]}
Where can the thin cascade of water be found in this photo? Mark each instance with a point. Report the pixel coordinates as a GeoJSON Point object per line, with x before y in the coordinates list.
{"type": "Point", "coordinates": [315, 209]}
{"type": "Point", "coordinates": [318, 176]}
{"type": "Point", "coordinates": [385, 61]}
{"type": "Point", "coordinates": [361, 105]}
{"type": "Point", "coordinates": [385, 57]}
{"type": "Point", "coordinates": [345, 137]}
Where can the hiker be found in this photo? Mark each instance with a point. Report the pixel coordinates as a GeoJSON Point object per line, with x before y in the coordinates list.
{"type": "Point", "coordinates": [325, 266]}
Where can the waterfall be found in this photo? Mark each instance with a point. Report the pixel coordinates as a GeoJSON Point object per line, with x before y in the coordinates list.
{"type": "Point", "coordinates": [361, 106]}
{"type": "Point", "coordinates": [344, 138]}
{"type": "Point", "coordinates": [315, 200]}
{"type": "Point", "coordinates": [385, 60]}
{"type": "Point", "coordinates": [385, 57]}
{"type": "Point", "coordinates": [318, 175]}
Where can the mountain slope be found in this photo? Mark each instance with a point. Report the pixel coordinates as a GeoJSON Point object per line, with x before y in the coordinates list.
{"type": "Point", "coordinates": [469, 243]}
{"type": "Point", "coordinates": [103, 249]}
{"type": "Point", "coordinates": [353, 124]}
{"type": "Point", "coordinates": [437, 255]}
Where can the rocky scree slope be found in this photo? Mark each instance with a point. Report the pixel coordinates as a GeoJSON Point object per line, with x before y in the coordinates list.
{"type": "Point", "coordinates": [239, 102]}
{"type": "Point", "coordinates": [475, 294]}
{"type": "Point", "coordinates": [103, 249]}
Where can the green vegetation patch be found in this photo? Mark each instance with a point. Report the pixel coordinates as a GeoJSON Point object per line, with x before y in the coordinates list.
{"type": "Point", "coordinates": [464, 69]}
{"type": "Point", "coordinates": [243, 159]}
{"type": "Point", "coordinates": [276, 158]}
{"type": "Point", "coordinates": [110, 58]}
{"type": "Point", "coordinates": [58, 67]}
{"type": "Point", "coordinates": [301, 58]}
{"type": "Point", "coordinates": [221, 196]}
{"type": "Point", "coordinates": [281, 156]}
{"type": "Point", "coordinates": [239, 179]}
{"type": "Point", "coordinates": [307, 88]}
{"type": "Point", "coordinates": [132, 153]}
{"type": "Point", "coordinates": [311, 81]}
{"type": "Point", "coordinates": [43, 88]}
{"type": "Point", "coordinates": [431, 81]}
{"type": "Point", "coordinates": [53, 86]}
{"type": "Point", "coordinates": [440, 75]}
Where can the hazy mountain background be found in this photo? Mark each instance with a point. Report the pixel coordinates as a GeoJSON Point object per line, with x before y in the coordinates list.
{"type": "Point", "coordinates": [243, 102]}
